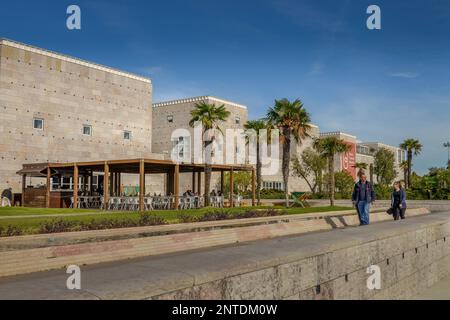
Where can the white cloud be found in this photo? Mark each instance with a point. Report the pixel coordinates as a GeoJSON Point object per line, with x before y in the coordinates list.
{"type": "Point", "coordinates": [404, 75]}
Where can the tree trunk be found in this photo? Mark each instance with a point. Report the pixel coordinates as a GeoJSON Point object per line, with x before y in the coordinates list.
{"type": "Point", "coordinates": [409, 167]}
{"type": "Point", "coordinates": [208, 171]}
{"type": "Point", "coordinates": [320, 182]}
{"type": "Point", "coordinates": [331, 179]}
{"type": "Point", "coordinates": [258, 174]}
{"type": "Point", "coordinates": [286, 162]}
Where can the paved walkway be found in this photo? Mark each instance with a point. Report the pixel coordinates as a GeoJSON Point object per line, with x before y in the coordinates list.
{"type": "Point", "coordinates": [150, 276]}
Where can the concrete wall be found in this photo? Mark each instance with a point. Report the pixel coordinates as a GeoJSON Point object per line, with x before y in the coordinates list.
{"type": "Point", "coordinates": [432, 205]}
{"type": "Point", "coordinates": [412, 256]}
{"type": "Point", "coordinates": [67, 93]}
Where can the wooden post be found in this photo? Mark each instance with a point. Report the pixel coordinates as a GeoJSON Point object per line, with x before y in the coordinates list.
{"type": "Point", "coordinates": [199, 183]}
{"type": "Point", "coordinates": [193, 181]}
{"type": "Point", "coordinates": [141, 185]}
{"type": "Point", "coordinates": [75, 186]}
{"type": "Point", "coordinates": [106, 186]}
{"type": "Point", "coordinates": [231, 187]}
{"type": "Point", "coordinates": [24, 186]}
{"type": "Point", "coordinates": [119, 184]}
{"type": "Point", "coordinates": [222, 181]}
{"type": "Point", "coordinates": [176, 186]}
{"type": "Point", "coordinates": [253, 187]}
{"type": "Point", "coordinates": [47, 200]}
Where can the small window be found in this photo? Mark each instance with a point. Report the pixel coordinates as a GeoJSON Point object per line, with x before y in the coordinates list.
{"type": "Point", "coordinates": [87, 130]}
{"type": "Point", "coordinates": [170, 119]}
{"type": "Point", "coordinates": [38, 124]}
{"type": "Point", "coordinates": [127, 135]}
{"type": "Point", "coordinates": [237, 120]}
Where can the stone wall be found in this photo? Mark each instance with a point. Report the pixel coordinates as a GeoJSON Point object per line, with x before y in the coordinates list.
{"type": "Point", "coordinates": [333, 265]}
{"type": "Point", "coordinates": [67, 93]}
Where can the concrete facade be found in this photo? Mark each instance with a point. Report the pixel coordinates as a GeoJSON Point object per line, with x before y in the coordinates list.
{"type": "Point", "coordinates": [178, 111]}
{"type": "Point", "coordinates": [169, 116]}
{"type": "Point", "coordinates": [67, 93]}
{"type": "Point", "coordinates": [363, 152]}
{"type": "Point", "coordinates": [367, 150]}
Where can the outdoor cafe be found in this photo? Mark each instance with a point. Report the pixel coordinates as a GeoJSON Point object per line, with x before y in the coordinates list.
{"type": "Point", "coordinates": [97, 185]}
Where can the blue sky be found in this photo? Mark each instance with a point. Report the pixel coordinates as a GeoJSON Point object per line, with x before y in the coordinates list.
{"type": "Point", "coordinates": [383, 85]}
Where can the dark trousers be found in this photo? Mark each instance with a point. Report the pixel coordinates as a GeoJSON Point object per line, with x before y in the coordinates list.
{"type": "Point", "coordinates": [399, 213]}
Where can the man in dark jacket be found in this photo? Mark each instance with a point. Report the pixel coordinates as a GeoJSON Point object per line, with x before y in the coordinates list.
{"type": "Point", "coordinates": [363, 196]}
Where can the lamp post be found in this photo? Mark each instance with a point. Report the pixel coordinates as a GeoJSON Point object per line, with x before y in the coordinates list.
{"type": "Point", "coordinates": [447, 145]}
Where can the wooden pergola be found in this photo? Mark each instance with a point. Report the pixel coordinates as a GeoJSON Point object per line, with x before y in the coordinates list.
{"type": "Point", "coordinates": [112, 170]}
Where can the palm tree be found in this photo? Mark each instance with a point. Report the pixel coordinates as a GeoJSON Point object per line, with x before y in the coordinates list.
{"type": "Point", "coordinates": [371, 172]}
{"type": "Point", "coordinates": [412, 147]}
{"type": "Point", "coordinates": [329, 147]}
{"type": "Point", "coordinates": [404, 167]}
{"type": "Point", "coordinates": [292, 120]}
{"type": "Point", "coordinates": [210, 116]}
{"type": "Point", "coordinates": [361, 166]}
{"type": "Point", "coordinates": [256, 125]}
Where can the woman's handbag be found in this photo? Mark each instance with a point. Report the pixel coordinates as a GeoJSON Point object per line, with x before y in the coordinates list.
{"type": "Point", "coordinates": [390, 211]}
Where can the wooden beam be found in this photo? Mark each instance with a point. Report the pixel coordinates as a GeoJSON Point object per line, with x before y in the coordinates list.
{"type": "Point", "coordinates": [24, 186]}
{"type": "Point", "coordinates": [106, 186]}
{"type": "Point", "coordinates": [47, 200]}
{"type": "Point", "coordinates": [231, 188]}
{"type": "Point", "coordinates": [253, 187]}
{"type": "Point", "coordinates": [176, 186]}
{"type": "Point", "coordinates": [199, 183]}
{"type": "Point", "coordinates": [193, 181]}
{"type": "Point", "coordinates": [75, 186]}
{"type": "Point", "coordinates": [119, 177]}
{"type": "Point", "coordinates": [222, 181]}
{"type": "Point", "coordinates": [141, 185]}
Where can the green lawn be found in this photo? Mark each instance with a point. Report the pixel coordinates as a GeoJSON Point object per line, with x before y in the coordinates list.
{"type": "Point", "coordinates": [19, 211]}
{"type": "Point", "coordinates": [32, 225]}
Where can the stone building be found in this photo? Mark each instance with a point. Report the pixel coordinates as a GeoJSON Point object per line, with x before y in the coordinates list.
{"type": "Point", "coordinates": [169, 116]}
{"type": "Point", "coordinates": [55, 108]}
{"type": "Point", "coordinates": [366, 151]}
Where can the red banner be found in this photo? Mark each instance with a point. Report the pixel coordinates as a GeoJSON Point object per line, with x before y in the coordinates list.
{"type": "Point", "coordinates": [348, 160]}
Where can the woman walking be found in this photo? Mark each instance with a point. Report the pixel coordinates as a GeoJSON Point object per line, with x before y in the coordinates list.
{"type": "Point", "coordinates": [398, 201]}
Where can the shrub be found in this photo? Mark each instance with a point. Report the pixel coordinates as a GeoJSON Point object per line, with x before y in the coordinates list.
{"type": "Point", "coordinates": [60, 225]}
{"type": "Point", "coordinates": [186, 218]}
{"type": "Point", "coordinates": [147, 219]}
{"type": "Point", "coordinates": [10, 231]}
{"type": "Point", "coordinates": [259, 213]}
{"type": "Point", "coordinates": [383, 192]}
{"type": "Point", "coordinates": [216, 215]}
{"type": "Point", "coordinates": [56, 226]}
